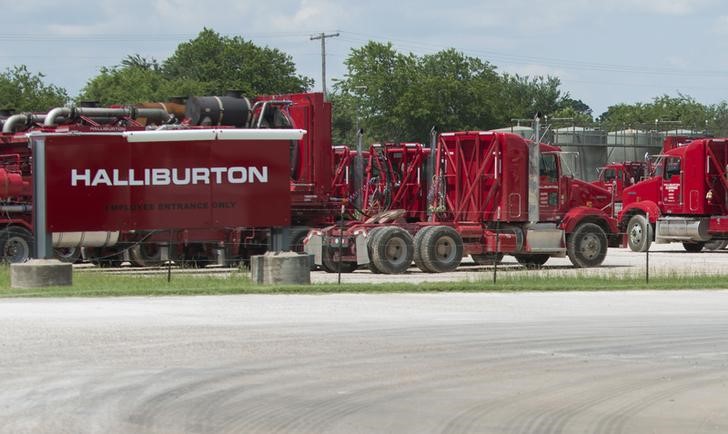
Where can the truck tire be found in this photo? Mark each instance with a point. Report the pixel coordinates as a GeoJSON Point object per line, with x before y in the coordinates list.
{"type": "Point", "coordinates": [639, 233]}
{"type": "Point", "coordinates": [441, 249]}
{"type": "Point", "coordinates": [587, 246]}
{"type": "Point", "coordinates": [371, 240]}
{"type": "Point", "coordinates": [419, 262]}
{"type": "Point", "coordinates": [145, 255]}
{"type": "Point", "coordinates": [693, 246]}
{"type": "Point", "coordinates": [16, 244]}
{"type": "Point", "coordinates": [392, 250]}
{"type": "Point", "coordinates": [716, 245]}
{"type": "Point", "coordinates": [105, 256]}
{"type": "Point", "coordinates": [331, 265]}
{"type": "Point", "coordinates": [489, 258]}
{"type": "Point", "coordinates": [69, 255]}
{"type": "Point", "coordinates": [532, 261]}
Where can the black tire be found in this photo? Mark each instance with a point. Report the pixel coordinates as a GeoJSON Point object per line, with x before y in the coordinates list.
{"type": "Point", "coordinates": [532, 261]}
{"type": "Point", "coordinates": [488, 258]}
{"type": "Point", "coordinates": [69, 255]}
{"type": "Point", "coordinates": [330, 264]}
{"type": "Point", "coordinates": [16, 244]}
{"type": "Point", "coordinates": [392, 250]}
{"type": "Point", "coordinates": [371, 240]}
{"type": "Point", "coordinates": [587, 246]}
{"type": "Point", "coordinates": [104, 256]}
{"type": "Point", "coordinates": [639, 233]}
{"type": "Point", "coordinates": [693, 247]}
{"type": "Point", "coordinates": [716, 245]}
{"type": "Point", "coordinates": [441, 249]}
{"type": "Point", "coordinates": [145, 255]}
{"type": "Point", "coordinates": [419, 261]}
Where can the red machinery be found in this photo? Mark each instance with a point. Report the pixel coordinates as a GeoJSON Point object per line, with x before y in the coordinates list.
{"type": "Point", "coordinates": [311, 169]}
{"type": "Point", "coordinates": [685, 201]}
{"type": "Point", "coordinates": [487, 199]}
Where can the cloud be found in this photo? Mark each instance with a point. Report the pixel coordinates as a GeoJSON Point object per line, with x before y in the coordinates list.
{"type": "Point", "coordinates": [663, 7]}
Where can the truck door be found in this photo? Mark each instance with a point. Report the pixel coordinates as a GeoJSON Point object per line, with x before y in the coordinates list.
{"type": "Point", "coordinates": [672, 188]}
{"type": "Point", "coordinates": [549, 187]}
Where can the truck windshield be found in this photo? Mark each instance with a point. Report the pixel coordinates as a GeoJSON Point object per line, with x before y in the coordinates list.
{"type": "Point", "coordinates": [569, 163]}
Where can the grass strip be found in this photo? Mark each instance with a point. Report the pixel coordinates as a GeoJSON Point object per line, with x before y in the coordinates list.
{"type": "Point", "coordinates": [107, 285]}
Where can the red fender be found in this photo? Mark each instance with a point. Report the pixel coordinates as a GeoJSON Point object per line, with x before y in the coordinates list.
{"type": "Point", "coordinates": [577, 215]}
{"type": "Point", "coordinates": [646, 207]}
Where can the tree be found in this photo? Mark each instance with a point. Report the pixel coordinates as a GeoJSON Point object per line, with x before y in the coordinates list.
{"type": "Point", "coordinates": [403, 95]}
{"type": "Point", "coordinates": [231, 63]}
{"type": "Point", "coordinates": [682, 108]}
{"type": "Point", "coordinates": [207, 65]}
{"type": "Point", "coordinates": [24, 91]}
{"type": "Point", "coordinates": [133, 84]}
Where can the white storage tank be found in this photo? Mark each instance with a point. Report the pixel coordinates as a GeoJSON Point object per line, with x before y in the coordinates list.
{"type": "Point", "coordinates": [632, 145]}
{"type": "Point", "coordinates": [525, 132]}
{"type": "Point", "coordinates": [589, 143]}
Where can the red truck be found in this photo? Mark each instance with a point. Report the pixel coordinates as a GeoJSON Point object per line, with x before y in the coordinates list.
{"type": "Point", "coordinates": [491, 194]}
{"type": "Point", "coordinates": [684, 201]}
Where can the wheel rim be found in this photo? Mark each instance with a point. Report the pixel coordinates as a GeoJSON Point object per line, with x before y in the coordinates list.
{"type": "Point", "coordinates": [635, 234]}
{"type": "Point", "coordinates": [66, 252]}
{"type": "Point", "coordinates": [590, 246]}
{"type": "Point", "coordinates": [16, 249]}
{"type": "Point", "coordinates": [445, 249]}
{"type": "Point", "coordinates": [395, 251]}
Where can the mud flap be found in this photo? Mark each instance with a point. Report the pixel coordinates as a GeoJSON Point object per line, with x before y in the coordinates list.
{"type": "Point", "coordinates": [314, 247]}
{"type": "Point", "coordinates": [362, 253]}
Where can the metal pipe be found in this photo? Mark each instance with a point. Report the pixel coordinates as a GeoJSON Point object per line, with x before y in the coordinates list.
{"type": "Point", "coordinates": [15, 121]}
{"type": "Point", "coordinates": [534, 156]}
{"type": "Point", "coordinates": [16, 208]}
{"type": "Point", "coordinates": [53, 116]}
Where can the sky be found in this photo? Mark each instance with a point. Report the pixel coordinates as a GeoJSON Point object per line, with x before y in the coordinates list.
{"type": "Point", "coordinates": [604, 52]}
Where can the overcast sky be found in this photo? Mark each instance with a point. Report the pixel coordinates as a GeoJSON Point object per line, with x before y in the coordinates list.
{"type": "Point", "coordinates": [605, 52]}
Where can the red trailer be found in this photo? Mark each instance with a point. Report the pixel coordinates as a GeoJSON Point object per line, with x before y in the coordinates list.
{"type": "Point", "coordinates": [492, 193]}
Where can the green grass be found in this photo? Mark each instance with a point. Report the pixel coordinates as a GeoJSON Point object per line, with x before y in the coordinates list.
{"type": "Point", "coordinates": [87, 284]}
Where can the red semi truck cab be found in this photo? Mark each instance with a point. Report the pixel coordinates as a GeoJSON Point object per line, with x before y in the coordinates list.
{"type": "Point", "coordinates": [685, 200]}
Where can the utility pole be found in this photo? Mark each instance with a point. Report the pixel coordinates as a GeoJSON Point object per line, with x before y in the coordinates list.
{"type": "Point", "coordinates": [323, 37]}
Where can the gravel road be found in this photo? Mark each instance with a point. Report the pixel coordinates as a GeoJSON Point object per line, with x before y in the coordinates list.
{"type": "Point", "coordinates": [598, 362]}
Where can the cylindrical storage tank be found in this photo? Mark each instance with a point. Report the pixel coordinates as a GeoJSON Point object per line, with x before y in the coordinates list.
{"type": "Point", "coordinates": [589, 143]}
{"type": "Point", "coordinates": [525, 132]}
{"type": "Point", "coordinates": [218, 110]}
{"type": "Point", "coordinates": [632, 145]}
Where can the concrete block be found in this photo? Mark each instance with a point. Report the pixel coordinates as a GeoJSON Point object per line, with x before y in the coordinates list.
{"type": "Point", "coordinates": [281, 268]}
{"type": "Point", "coordinates": [39, 273]}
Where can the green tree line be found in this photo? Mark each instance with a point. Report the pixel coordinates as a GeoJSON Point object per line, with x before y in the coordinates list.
{"type": "Point", "coordinates": [393, 96]}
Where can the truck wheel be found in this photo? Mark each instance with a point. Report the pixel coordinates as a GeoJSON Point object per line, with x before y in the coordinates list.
{"type": "Point", "coordinates": [639, 233]}
{"type": "Point", "coordinates": [371, 242]}
{"type": "Point", "coordinates": [69, 255]}
{"type": "Point", "coordinates": [587, 246]}
{"type": "Point", "coordinates": [419, 262]}
{"type": "Point", "coordinates": [716, 245]}
{"type": "Point", "coordinates": [331, 265]}
{"type": "Point", "coordinates": [532, 261]}
{"type": "Point", "coordinates": [105, 256]}
{"type": "Point", "coordinates": [489, 259]}
{"type": "Point", "coordinates": [16, 244]}
{"type": "Point", "coordinates": [392, 250]}
{"type": "Point", "coordinates": [145, 255]}
{"type": "Point", "coordinates": [693, 247]}
{"type": "Point", "coordinates": [441, 249]}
